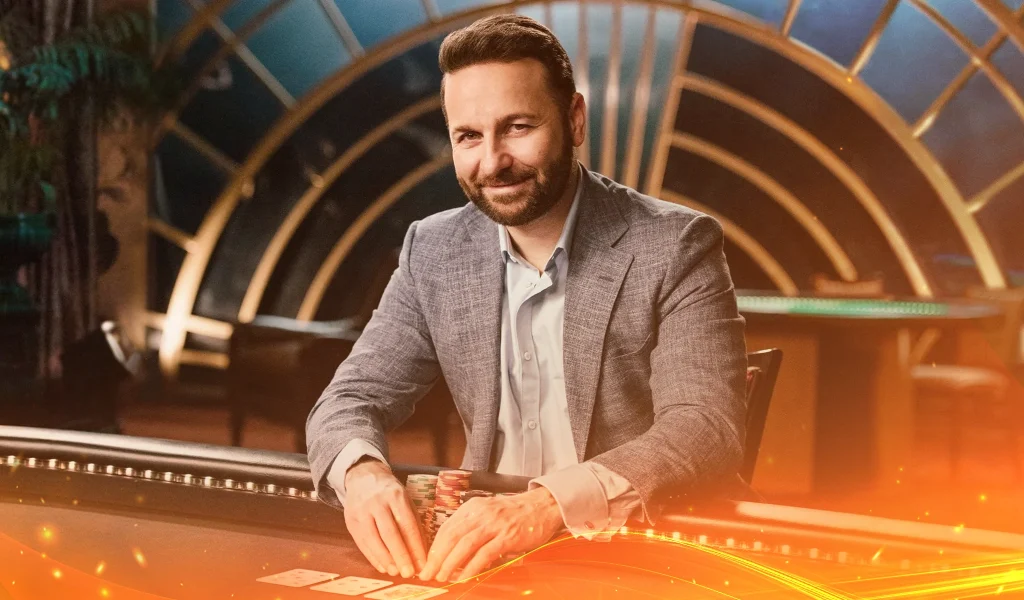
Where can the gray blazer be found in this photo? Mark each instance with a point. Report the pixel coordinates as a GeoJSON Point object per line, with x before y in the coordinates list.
{"type": "Point", "coordinates": [655, 359]}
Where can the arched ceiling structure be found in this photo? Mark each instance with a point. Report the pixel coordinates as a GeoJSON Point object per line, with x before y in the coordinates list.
{"type": "Point", "coordinates": [855, 139]}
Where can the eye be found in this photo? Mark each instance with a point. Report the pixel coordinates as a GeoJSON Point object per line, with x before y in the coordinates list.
{"type": "Point", "coordinates": [519, 127]}
{"type": "Point", "coordinates": [465, 137]}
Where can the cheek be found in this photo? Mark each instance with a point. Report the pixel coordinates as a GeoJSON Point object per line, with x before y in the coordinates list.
{"type": "Point", "coordinates": [534, 151]}
{"type": "Point", "coordinates": [465, 164]}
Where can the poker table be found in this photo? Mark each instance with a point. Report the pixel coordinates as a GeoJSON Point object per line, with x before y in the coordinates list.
{"type": "Point", "coordinates": [102, 516]}
{"type": "Point", "coordinates": [842, 415]}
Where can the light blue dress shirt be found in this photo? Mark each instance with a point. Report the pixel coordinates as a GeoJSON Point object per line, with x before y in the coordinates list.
{"type": "Point", "coordinates": [534, 436]}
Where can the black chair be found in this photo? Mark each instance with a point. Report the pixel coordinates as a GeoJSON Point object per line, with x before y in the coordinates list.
{"type": "Point", "coordinates": [279, 366]}
{"type": "Point", "coordinates": [762, 371]}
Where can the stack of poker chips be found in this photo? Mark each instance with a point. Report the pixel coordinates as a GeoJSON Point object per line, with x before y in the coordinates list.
{"type": "Point", "coordinates": [421, 490]}
{"type": "Point", "coordinates": [448, 496]}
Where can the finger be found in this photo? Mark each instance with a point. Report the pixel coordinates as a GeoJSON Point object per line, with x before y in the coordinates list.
{"type": "Point", "coordinates": [441, 546]}
{"type": "Point", "coordinates": [484, 558]}
{"type": "Point", "coordinates": [462, 552]}
{"type": "Point", "coordinates": [392, 538]}
{"type": "Point", "coordinates": [369, 543]}
{"type": "Point", "coordinates": [409, 525]}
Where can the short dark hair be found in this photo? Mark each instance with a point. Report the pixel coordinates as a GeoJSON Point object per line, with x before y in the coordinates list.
{"type": "Point", "coordinates": [507, 38]}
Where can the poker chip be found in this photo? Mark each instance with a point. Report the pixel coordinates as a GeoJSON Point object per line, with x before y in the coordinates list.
{"type": "Point", "coordinates": [422, 490]}
{"type": "Point", "coordinates": [450, 485]}
{"type": "Point", "coordinates": [448, 495]}
{"type": "Point", "coordinates": [470, 494]}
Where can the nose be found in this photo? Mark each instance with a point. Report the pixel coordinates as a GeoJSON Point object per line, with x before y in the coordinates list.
{"type": "Point", "coordinates": [495, 159]}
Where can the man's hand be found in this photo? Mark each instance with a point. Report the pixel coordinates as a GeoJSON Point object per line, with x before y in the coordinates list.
{"type": "Point", "coordinates": [483, 529]}
{"type": "Point", "coordinates": [381, 519]}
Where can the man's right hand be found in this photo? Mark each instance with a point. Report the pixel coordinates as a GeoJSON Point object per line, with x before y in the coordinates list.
{"type": "Point", "coordinates": [381, 519]}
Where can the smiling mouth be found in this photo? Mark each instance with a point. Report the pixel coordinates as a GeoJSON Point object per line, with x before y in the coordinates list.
{"type": "Point", "coordinates": [506, 186]}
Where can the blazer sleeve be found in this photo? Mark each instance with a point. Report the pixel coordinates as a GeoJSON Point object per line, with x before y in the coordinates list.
{"type": "Point", "coordinates": [391, 367]}
{"type": "Point", "coordinates": [698, 369]}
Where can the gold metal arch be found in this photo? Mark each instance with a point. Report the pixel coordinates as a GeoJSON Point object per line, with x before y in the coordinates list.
{"type": "Point", "coordinates": [283, 235]}
{"type": "Point", "coordinates": [783, 197]}
{"type": "Point", "coordinates": [710, 13]}
{"type": "Point", "coordinates": [184, 37]}
{"type": "Point", "coordinates": [234, 43]}
{"type": "Point", "coordinates": [882, 113]}
{"type": "Point", "coordinates": [641, 104]}
{"type": "Point", "coordinates": [927, 118]}
{"type": "Point", "coordinates": [355, 231]}
{"type": "Point", "coordinates": [824, 155]}
{"type": "Point", "coordinates": [750, 246]}
{"type": "Point", "coordinates": [1006, 20]}
{"type": "Point", "coordinates": [976, 55]}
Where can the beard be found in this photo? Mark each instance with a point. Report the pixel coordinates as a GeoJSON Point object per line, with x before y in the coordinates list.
{"type": "Point", "coordinates": [540, 190]}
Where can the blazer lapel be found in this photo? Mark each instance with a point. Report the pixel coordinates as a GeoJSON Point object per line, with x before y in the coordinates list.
{"type": "Point", "coordinates": [596, 272]}
{"type": "Point", "coordinates": [476, 269]}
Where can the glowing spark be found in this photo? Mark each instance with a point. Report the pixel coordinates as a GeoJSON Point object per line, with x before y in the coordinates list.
{"type": "Point", "coordinates": [101, 567]}
{"type": "Point", "coordinates": [877, 554]}
{"type": "Point", "coordinates": [527, 592]}
{"type": "Point", "coordinates": [46, 534]}
{"type": "Point", "coordinates": [139, 557]}
{"type": "Point", "coordinates": [56, 574]}
{"type": "Point", "coordinates": [982, 498]}
{"type": "Point", "coordinates": [104, 592]}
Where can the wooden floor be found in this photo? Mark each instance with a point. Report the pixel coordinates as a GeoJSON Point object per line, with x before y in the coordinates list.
{"type": "Point", "coordinates": [984, 494]}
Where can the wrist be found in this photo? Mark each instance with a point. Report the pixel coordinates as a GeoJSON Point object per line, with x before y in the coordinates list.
{"type": "Point", "coordinates": [546, 508]}
{"type": "Point", "coordinates": [366, 466]}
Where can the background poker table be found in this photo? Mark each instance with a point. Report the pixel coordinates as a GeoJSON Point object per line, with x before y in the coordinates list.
{"type": "Point", "coordinates": [102, 516]}
{"type": "Point", "coordinates": [842, 413]}
{"type": "Point", "coordinates": [860, 312]}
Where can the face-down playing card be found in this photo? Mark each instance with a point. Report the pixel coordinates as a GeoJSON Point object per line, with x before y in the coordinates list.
{"type": "Point", "coordinates": [298, 578]}
{"type": "Point", "coordinates": [407, 591]}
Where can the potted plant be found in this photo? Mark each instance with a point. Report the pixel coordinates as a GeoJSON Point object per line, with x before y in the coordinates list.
{"type": "Point", "coordinates": [105, 65]}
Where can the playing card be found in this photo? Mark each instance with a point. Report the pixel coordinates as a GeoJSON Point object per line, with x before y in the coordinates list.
{"type": "Point", "coordinates": [298, 578]}
{"type": "Point", "coordinates": [351, 586]}
{"type": "Point", "coordinates": [407, 591]}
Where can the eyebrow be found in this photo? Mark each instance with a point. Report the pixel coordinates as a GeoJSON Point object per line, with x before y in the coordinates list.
{"type": "Point", "coordinates": [503, 121]}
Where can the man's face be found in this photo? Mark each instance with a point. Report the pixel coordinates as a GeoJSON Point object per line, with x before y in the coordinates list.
{"type": "Point", "coordinates": [512, 143]}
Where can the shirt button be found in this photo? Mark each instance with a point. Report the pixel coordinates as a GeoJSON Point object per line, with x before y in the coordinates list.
{"type": "Point", "coordinates": [531, 424]}
{"type": "Point", "coordinates": [527, 356]}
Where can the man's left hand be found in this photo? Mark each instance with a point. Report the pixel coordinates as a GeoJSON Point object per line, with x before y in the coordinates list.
{"type": "Point", "coordinates": [484, 529]}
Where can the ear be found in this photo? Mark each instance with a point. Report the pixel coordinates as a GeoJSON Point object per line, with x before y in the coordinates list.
{"type": "Point", "coordinates": [578, 119]}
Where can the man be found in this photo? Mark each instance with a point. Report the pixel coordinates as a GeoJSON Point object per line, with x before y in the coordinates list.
{"type": "Point", "coordinates": [589, 334]}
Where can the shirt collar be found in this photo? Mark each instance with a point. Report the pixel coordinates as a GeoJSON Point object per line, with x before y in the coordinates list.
{"type": "Point", "coordinates": [564, 241]}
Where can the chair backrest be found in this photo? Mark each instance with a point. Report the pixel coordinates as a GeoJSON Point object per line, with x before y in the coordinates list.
{"type": "Point", "coordinates": [834, 288]}
{"type": "Point", "coordinates": [762, 371]}
{"type": "Point", "coordinates": [1007, 340]}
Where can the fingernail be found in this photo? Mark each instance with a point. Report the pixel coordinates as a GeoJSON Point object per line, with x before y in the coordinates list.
{"type": "Point", "coordinates": [406, 572]}
{"type": "Point", "coordinates": [392, 571]}
{"type": "Point", "coordinates": [381, 569]}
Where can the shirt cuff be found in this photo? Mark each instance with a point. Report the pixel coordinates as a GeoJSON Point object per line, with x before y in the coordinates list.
{"type": "Point", "coordinates": [582, 500]}
{"type": "Point", "coordinates": [349, 455]}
